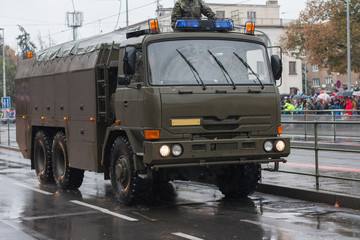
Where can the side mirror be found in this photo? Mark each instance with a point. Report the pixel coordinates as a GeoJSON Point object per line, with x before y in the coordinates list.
{"type": "Point", "coordinates": [276, 65]}
{"type": "Point", "coordinates": [123, 80]}
{"type": "Point", "coordinates": [129, 60]}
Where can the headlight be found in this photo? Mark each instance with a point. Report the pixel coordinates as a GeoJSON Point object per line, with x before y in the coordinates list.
{"type": "Point", "coordinates": [176, 150]}
{"type": "Point", "coordinates": [164, 151]}
{"type": "Point", "coordinates": [268, 146]}
{"type": "Point", "coordinates": [280, 145]}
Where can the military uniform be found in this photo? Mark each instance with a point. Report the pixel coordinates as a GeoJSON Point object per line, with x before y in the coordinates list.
{"type": "Point", "coordinates": [190, 9]}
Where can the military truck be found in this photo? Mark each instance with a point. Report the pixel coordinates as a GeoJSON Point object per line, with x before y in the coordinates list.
{"type": "Point", "coordinates": [146, 108]}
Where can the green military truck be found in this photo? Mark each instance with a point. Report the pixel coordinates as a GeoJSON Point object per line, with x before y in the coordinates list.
{"type": "Point", "coordinates": [145, 108]}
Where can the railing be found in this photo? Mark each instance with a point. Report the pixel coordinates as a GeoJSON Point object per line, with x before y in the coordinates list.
{"type": "Point", "coordinates": [323, 115]}
{"type": "Point", "coordinates": [5, 130]}
{"type": "Point", "coordinates": [317, 148]}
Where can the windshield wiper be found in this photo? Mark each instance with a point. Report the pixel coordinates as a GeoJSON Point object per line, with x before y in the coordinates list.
{"type": "Point", "coordinates": [193, 70]}
{"type": "Point", "coordinates": [223, 69]}
{"type": "Point", "coordinates": [248, 67]}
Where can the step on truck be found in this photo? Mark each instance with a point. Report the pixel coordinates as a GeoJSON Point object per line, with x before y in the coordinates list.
{"type": "Point", "coordinates": [145, 108]}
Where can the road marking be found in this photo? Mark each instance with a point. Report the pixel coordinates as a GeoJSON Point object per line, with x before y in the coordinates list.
{"type": "Point", "coordinates": [146, 217]}
{"type": "Point", "coordinates": [34, 189]}
{"type": "Point", "coordinates": [183, 235]}
{"type": "Point", "coordinates": [104, 210]}
{"type": "Point", "coordinates": [323, 167]}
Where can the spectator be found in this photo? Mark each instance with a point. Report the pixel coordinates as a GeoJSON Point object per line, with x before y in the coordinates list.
{"type": "Point", "coordinates": [348, 106]}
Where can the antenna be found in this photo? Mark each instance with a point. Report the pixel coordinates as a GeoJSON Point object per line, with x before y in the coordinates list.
{"type": "Point", "coordinates": [74, 20]}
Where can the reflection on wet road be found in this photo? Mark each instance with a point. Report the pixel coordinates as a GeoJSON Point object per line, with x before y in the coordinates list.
{"type": "Point", "coordinates": [181, 210]}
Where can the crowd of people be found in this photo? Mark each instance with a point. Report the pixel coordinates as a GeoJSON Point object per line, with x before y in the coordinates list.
{"type": "Point", "coordinates": [7, 113]}
{"type": "Point", "coordinates": [348, 101]}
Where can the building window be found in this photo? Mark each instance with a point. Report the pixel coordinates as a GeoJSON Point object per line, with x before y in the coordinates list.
{"type": "Point", "coordinates": [260, 68]}
{"type": "Point", "coordinates": [220, 14]}
{"type": "Point", "coordinates": [315, 68]}
{"type": "Point", "coordinates": [329, 80]}
{"type": "Point", "coordinates": [235, 14]}
{"type": "Point", "coordinates": [316, 82]}
{"type": "Point", "coordinates": [292, 68]}
{"type": "Point", "coordinates": [251, 15]}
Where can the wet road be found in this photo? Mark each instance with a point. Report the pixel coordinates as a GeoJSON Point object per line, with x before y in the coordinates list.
{"type": "Point", "coordinates": [183, 211]}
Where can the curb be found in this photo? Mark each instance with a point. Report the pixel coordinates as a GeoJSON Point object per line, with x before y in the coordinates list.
{"type": "Point", "coordinates": [334, 199]}
{"type": "Point", "coordinates": [10, 148]}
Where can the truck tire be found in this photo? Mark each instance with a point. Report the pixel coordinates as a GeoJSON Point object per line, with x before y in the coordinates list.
{"type": "Point", "coordinates": [239, 181]}
{"type": "Point", "coordinates": [65, 177]}
{"type": "Point", "coordinates": [42, 157]}
{"type": "Point", "coordinates": [126, 184]}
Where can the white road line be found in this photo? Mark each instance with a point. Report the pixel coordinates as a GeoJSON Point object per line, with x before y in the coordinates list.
{"type": "Point", "coordinates": [34, 189]}
{"type": "Point", "coordinates": [106, 211]}
{"type": "Point", "coordinates": [183, 235]}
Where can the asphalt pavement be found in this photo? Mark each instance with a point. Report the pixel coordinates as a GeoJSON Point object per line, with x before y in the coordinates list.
{"type": "Point", "coordinates": [330, 191]}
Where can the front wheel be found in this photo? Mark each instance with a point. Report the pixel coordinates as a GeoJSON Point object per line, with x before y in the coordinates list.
{"type": "Point", "coordinates": [126, 184]}
{"type": "Point", "coordinates": [66, 178]}
{"type": "Point", "coordinates": [239, 181]}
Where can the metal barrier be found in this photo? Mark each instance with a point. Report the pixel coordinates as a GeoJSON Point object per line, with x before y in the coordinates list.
{"type": "Point", "coordinates": [6, 122]}
{"type": "Point", "coordinates": [323, 115]}
{"type": "Point", "coordinates": [317, 148]}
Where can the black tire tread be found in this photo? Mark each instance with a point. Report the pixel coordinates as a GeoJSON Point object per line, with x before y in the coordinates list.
{"type": "Point", "coordinates": [137, 186]}
{"type": "Point", "coordinates": [45, 176]}
{"type": "Point", "coordinates": [240, 181]}
{"type": "Point", "coordinates": [73, 177]}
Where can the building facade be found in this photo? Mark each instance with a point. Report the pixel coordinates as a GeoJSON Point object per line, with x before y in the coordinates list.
{"type": "Point", "coordinates": [319, 78]}
{"type": "Point", "coordinates": [268, 24]}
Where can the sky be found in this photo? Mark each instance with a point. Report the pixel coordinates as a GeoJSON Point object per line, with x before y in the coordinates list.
{"type": "Point", "coordinates": [45, 19]}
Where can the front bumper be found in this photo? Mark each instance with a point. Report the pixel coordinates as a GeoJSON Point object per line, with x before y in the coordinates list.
{"type": "Point", "coordinates": [215, 152]}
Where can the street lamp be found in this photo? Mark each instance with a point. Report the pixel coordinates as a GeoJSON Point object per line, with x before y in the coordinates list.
{"type": "Point", "coordinates": [348, 46]}
{"type": "Point", "coordinates": [4, 74]}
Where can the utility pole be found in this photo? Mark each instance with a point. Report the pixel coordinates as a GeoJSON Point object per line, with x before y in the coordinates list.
{"type": "Point", "coordinates": [348, 46]}
{"type": "Point", "coordinates": [4, 72]}
{"type": "Point", "coordinates": [158, 8]}
{"type": "Point", "coordinates": [74, 20]}
{"type": "Point", "coordinates": [127, 16]}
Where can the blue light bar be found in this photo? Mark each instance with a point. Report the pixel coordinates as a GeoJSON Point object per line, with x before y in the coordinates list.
{"type": "Point", "coordinates": [187, 23]}
{"type": "Point", "coordinates": [204, 25]}
{"type": "Point", "coordinates": [224, 24]}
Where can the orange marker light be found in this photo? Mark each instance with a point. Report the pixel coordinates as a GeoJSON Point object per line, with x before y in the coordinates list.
{"type": "Point", "coordinates": [154, 26]}
{"type": "Point", "coordinates": [65, 118]}
{"type": "Point", "coordinates": [43, 118]}
{"type": "Point", "coordinates": [280, 130]}
{"type": "Point", "coordinates": [118, 122]}
{"type": "Point", "coordinates": [249, 28]}
{"type": "Point", "coordinates": [152, 134]}
{"type": "Point", "coordinates": [30, 55]}
{"type": "Point", "coordinates": [92, 119]}
{"type": "Point", "coordinates": [23, 117]}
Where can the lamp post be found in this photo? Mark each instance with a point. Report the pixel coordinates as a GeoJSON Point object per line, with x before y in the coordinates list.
{"type": "Point", "coordinates": [4, 72]}
{"type": "Point", "coordinates": [348, 45]}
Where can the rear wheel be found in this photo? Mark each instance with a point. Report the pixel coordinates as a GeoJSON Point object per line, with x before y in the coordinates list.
{"type": "Point", "coordinates": [126, 184]}
{"type": "Point", "coordinates": [65, 177]}
{"type": "Point", "coordinates": [239, 181]}
{"type": "Point", "coordinates": [42, 157]}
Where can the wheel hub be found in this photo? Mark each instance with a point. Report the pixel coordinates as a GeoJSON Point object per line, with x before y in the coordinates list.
{"type": "Point", "coordinates": [121, 171]}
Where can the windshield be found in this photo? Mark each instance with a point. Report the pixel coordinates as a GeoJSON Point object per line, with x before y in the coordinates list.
{"type": "Point", "coordinates": [208, 62]}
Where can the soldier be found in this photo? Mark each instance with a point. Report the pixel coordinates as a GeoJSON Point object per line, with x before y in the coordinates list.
{"type": "Point", "coordinates": [190, 9]}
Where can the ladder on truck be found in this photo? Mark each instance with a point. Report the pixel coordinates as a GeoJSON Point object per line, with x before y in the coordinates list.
{"type": "Point", "coordinates": [102, 84]}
